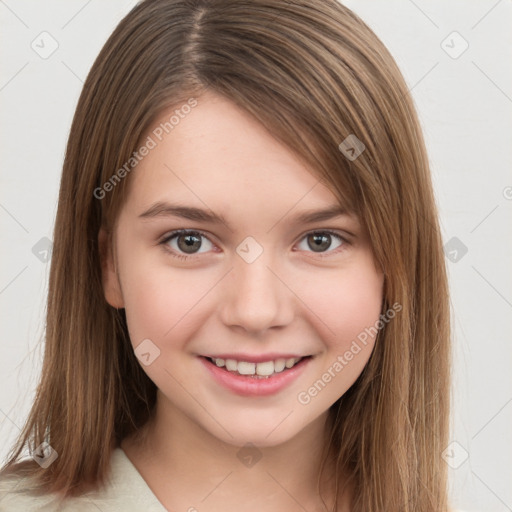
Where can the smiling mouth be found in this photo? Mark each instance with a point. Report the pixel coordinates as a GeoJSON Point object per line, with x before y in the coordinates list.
{"type": "Point", "coordinates": [263, 370]}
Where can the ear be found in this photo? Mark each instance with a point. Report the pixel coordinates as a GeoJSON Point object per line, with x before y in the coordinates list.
{"type": "Point", "coordinates": [110, 279]}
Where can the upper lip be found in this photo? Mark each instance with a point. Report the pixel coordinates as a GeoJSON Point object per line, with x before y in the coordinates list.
{"type": "Point", "coordinates": [259, 358]}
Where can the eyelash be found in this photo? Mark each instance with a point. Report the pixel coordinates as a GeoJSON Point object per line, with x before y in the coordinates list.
{"type": "Point", "coordinates": [181, 256]}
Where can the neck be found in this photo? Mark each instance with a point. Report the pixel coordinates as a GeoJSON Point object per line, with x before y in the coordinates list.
{"type": "Point", "coordinates": [186, 467]}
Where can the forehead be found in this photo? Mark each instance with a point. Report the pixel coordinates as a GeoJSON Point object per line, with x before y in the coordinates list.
{"type": "Point", "coordinates": [217, 156]}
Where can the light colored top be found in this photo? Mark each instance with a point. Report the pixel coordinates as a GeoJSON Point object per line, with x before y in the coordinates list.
{"type": "Point", "coordinates": [126, 491]}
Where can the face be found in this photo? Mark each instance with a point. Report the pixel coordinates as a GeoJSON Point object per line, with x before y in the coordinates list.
{"type": "Point", "coordinates": [218, 255]}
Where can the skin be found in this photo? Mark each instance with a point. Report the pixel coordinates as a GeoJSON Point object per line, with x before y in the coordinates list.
{"type": "Point", "coordinates": [291, 299]}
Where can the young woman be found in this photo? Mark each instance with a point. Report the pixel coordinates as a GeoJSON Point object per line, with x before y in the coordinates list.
{"type": "Point", "coordinates": [248, 305]}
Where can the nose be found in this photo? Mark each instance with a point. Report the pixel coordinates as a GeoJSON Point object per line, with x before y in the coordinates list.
{"type": "Point", "coordinates": [255, 297]}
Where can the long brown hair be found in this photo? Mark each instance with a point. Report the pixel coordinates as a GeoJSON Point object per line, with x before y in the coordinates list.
{"type": "Point", "coordinates": [314, 74]}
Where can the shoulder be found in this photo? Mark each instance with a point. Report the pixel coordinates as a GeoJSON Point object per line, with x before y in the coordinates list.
{"type": "Point", "coordinates": [17, 493]}
{"type": "Point", "coordinates": [126, 490]}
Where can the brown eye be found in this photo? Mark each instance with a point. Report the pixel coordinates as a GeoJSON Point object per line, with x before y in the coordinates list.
{"type": "Point", "coordinates": [189, 243]}
{"type": "Point", "coordinates": [319, 242]}
{"type": "Point", "coordinates": [182, 243]}
{"type": "Point", "coordinates": [322, 241]}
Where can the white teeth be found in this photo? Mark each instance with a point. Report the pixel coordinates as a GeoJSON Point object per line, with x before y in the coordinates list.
{"type": "Point", "coordinates": [266, 368]}
{"type": "Point", "coordinates": [245, 368]}
{"type": "Point", "coordinates": [290, 362]}
{"type": "Point", "coordinates": [263, 369]}
{"type": "Point", "coordinates": [279, 365]}
{"type": "Point", "coordinates": [231, 365]}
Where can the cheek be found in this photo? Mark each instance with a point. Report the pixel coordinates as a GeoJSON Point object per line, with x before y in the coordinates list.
{"type": "Point", "coordinates": [166, 305]}
{"type": "Point", "coordinates": [344, 311]}
{"type": "Point", "coordinates": [157, 300]}
{"type": "Point", "coordinates": [343, 305]}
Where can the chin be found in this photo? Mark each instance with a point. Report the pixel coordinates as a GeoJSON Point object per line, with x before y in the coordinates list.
{"type": "Point", "coordinates": [264, 433]}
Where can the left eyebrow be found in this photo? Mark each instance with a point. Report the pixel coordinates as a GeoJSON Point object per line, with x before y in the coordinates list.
{"type": "Point", "coordinates": [164, 209]}
{"type": "Point", "coordinates": [311, 216]}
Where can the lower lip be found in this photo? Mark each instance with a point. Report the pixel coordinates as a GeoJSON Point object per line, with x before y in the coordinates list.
{"type": "Point", "coordinates": [253, 386]}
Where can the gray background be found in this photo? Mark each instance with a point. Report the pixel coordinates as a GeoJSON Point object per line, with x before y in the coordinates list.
{"type": "Point", "coordinates": [464, 100]}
